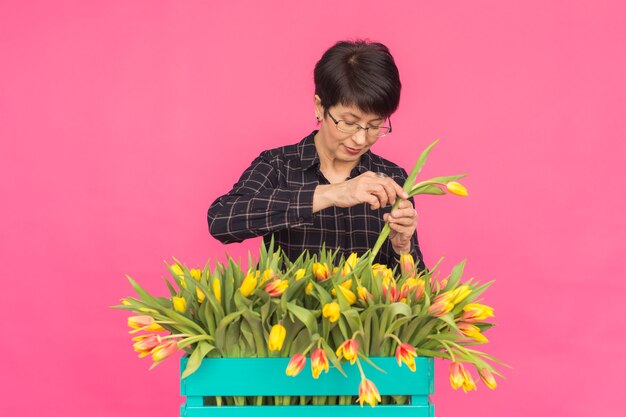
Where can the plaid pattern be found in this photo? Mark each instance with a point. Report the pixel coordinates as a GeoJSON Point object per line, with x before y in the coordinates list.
{"type": "Point", "coordinates": [275, 196]}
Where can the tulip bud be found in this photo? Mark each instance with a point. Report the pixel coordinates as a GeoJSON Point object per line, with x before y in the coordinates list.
{"type": "Point", "coordinates": [319, 362]}
{"type": "Point", "coordinates": [407, 264]}
{"type": "Point", "coordinates": [331, 311]}
{"type": "Point", "coordinates": [406, 353]}
{"type": "Point", "coordinates": [300, 274]}
{"type": "Point", "coordinates": [196, 274]}
{"type": "Point", "coordinates": [179, 303]}
{"type": "Point", "coordinates": [277, 337]}
{"type": "Point", "coordinates": [164, 350]}
{"type": "Point", "coordinates": [487, 377]}
{"type": "Point", "coordinates": [320, 271]}
{"type": "Point", "coordinates": [217, 290]}
{"type": "Point", "coordinates": [474, 312]}
{"type": "Point", "coordinates": [277, 287]}
{"type": "Point", "coordinates": [296, 364]}
{"type": "Point", "coordinates": [349, 350]}
{"type": "Point", "coordinates": [248, 285]}
{"type": "Point", "coordinates": [350, 264]}
{"type": "Point", "coordinates": [368, 393]}
{"type": "Point", "coordinates": [457, 189]}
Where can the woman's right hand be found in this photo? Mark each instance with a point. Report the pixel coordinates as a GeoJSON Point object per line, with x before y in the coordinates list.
{"type": "Point", "coordinates": [371, 188]}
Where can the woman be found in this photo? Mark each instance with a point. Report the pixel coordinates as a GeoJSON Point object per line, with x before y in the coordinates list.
{"type": "Point", "coordinates": [330, 188]}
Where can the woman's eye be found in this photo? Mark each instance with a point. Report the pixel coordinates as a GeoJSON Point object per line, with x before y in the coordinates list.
{"type": "Point", "coordinates": [350, 123]}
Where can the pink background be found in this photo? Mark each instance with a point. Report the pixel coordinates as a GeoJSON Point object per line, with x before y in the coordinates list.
{"type": "Point", "coordinates": [122, 121]}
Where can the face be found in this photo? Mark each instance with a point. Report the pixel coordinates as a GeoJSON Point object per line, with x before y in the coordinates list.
{"type": "Point", "coordinates": [340, 146]}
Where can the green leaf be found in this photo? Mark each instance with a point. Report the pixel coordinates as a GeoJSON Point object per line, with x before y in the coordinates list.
{"type": "Point", "coordinates": [305, 316]}
{"type": "Point", "coordinates": [195, 359]}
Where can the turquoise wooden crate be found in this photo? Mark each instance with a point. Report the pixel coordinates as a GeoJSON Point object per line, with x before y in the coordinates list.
{"type": "Point", "coordinates": [266, 377]}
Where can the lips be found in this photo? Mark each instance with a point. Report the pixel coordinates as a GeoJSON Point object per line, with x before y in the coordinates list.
{"type": "Point", "coordinates": [352, 151]}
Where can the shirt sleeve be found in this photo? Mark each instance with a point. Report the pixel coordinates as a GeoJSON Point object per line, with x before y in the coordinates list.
{"type": "Point", "coordinates": [258, 205]}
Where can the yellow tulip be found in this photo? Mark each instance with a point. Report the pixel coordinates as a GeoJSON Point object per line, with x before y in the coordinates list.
{"type": "Point", "coordinates": [277, 337]}
{"type": "Point", "coordinates": [350, 297]}
{"type": "Point", "coordinates": [406, 353]}
{"type": "Point", "coordinates": [146, 323]}
{"type": "Point", "coordinates": [248, 285]}
{"type": "Point", "coordinates": [196, 274]}
{"type": "Point", "coordinates": [308, 290]}
{"type": "Point", "coordinates": [217, 290]}
{"type": "Point", "coordinates": [200, 295]}
{"type": "Point", "coordinates": [164, 350]}
{"type": "Point", "coordinates": [267, 275]}
{"type": "Point", "coordinates": [456, 375]}
{"type": "Point", "coordinates": [320, 271]}
{"type": "Point", "coordinates": [364, 294]}
{"type": "Point", "coordinates": [349, 350]}
{"type": "Point", "coordinates": [300, 274]}
{"type": "Point", "coordinates": [461, 293]}
{"type": "Point", "coordinates": [350, 264]}
{"type": "Point", "coordinates": [179, 303]}
{"type": "Point", "coordinates": [177, 270]}
{"type": "Point", "coordinates": [476, 312]}
{"type": "Point", "coordinates": [457, 189]}
{"type": "Point", "coordinates": [331, 311]}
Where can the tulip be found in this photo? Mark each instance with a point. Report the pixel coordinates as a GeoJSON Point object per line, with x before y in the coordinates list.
{"type": "Point", "coordinates": [406, 353]}
{"type": "Point", "coordinates": [196, 274]}
{"type": "Point", "coordinates": [350, 297]}
{"type": "Point", "coordinates": [440, 308]}
{"type": "Point", "coordinates": [277, 337]}
{"type": "Point", "coordinates": [457, 189]}
{"type": "Point", "coordinates": [476, 312]}
{"type": "Point", "coordinates": [300, 274]}
{"type": "Point", "coordinates": [179, 303]}
{"type": "Point", "coordinates": [319, 362]}
{"type": "Point", "coordinates": [456, 375]}
{"type": "Point", "coordinates": [364, 294]}
{"type": "Point", "coordinates": [164, 350]}
{"type": "Point", "coordinates": [320, 271]}
{"type": "Point", "coordinates": [177, 270]}
{"type": "Point", "coordinates": [461, 293]}
{"type": "Point", "coordinates": [331, 311]}
{"type": "Point", "coordinates": [368, 393]}
{"type": "Point", "coordinates": [350, 264]}
{"type": "Point", "coordinates": [349, 350]}
{"type": "Point", "coordinates": [248, 285]}
{"type": "Point", "coordinates": [200, 295]}
{"type": "Point", "coordinates": [472, 332]}
{"type": "Point", "coordinates": [145, 343]}
{"type": "Point", "coordinates": [408, 285]}
{"type": "Point", "coordinates": [382, 271]}
{"type": "Point", "coordinates": [296, 364]}
{"type": "Point", "coordinates": [267, 275]}
{"type": "Point", "coordinates": [217, 290]}
{"type": "Point", "coordinates": [487, 377]}
{"type": "Point", "coordinates": [125, 302]}
{"type": "Point", "coordinates": [277, 287]}
{"type": "Point", "coordinates": [390, 290]}
{"type": "Point", "coordinates": [146, 323]}
{"type": "Point", "coordinates": [407, 264]}
{"type": "Point", "coordinates": [308, 290]}
{"type": "Point", "coordinates": [468, 381]}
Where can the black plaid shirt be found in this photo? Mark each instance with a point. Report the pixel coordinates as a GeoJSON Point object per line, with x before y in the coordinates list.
{"type": "Point", "coordinates": [275, 196]}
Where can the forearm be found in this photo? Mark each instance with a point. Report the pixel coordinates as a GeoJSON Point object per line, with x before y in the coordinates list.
{"type": "Point", "coordinates": [239, 216]}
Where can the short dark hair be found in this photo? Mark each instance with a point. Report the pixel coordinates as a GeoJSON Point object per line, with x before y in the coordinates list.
{"type": "Point", "coordinates": [359, 73]}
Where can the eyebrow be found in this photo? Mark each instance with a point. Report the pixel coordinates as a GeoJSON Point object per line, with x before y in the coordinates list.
{"type": "Point", "coordinates": [359, 117]}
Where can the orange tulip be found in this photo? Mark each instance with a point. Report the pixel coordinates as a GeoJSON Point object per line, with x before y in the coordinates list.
{"type": "Point", "coordinates": [145, 343]}
{"type": "Point", "coordinates": [368, 393]}
{"type": "Point", "coordinates": [471, 331]}
{"type": "Point", "coordinates": [390, 290]}
{"type": "Point", "coordinates": [319, 362]}
{"type": "Point", "coordinates": [296, 364]}
{"type": "Point", "coordinates": [460, 377]}
{"type": "Point", "coordinates": [487, 377]}
{"type": "Point", "coordinates": [146, 323]}
{"type": "Point", "coordinates": [364, 295]}
{"type": "Point", "coordinates": [407, 264]}
{"type": "Point", "coordinates": [349, 350]}
{"type": "Point", "coordinates": [164, 350]}
{"type": "Point", "coordinates": [277, 287]}
{"type": "Point", "coordinates": [406, 353]}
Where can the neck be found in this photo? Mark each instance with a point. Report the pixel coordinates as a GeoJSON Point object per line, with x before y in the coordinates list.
{"type": "Point", "coordinates": [329, 164]}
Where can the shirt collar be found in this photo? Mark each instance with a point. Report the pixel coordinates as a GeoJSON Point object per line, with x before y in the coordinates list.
{"type": "Point", "coordinates": [309, 157]}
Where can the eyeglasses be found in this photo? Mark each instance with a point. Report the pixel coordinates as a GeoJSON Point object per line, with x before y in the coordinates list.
{"type": "Point", "coordinates": [351, 127]}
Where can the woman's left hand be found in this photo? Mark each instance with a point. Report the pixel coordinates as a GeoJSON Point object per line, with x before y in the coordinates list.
{"type": "Point", "coordinates": [403, 222]}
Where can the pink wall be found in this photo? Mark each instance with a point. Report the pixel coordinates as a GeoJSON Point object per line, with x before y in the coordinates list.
{"type": "Point", "coordinates": [122, 121]}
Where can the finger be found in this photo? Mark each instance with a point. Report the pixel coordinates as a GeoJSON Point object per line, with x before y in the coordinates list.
{"type": "Point", "coordinates": [404, 231]}
{"type": "Point", "coordinates": [379, 191]}
{"type": "Point", "coordinates": [398, 190]}
{"type": "Point", "coordinates": [390, 190]}
{"type": "Point", "coordinates": [405, 204]}
{"type": "Point", "coordinates": [373, 201]}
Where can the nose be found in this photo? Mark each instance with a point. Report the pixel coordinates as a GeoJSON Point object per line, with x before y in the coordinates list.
{"type": "Point", "coordinates": [360, 137]}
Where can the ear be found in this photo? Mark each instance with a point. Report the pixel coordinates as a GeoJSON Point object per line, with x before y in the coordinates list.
{"type": "Point", "coordinates": [318, 108]}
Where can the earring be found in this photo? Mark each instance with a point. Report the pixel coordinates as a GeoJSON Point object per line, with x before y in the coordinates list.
{"type": "Point", "coordinates": [318, 118]}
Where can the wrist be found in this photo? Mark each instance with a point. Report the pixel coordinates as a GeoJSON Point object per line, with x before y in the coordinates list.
{"type": "Point", "coordinates": [322, 197]}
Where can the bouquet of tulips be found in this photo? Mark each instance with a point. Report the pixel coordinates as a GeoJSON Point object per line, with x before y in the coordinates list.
{"type": "Point", "coordinates": [329, 309]}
